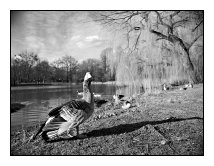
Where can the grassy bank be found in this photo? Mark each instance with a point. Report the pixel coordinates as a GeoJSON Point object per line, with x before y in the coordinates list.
{"type": "Point", "coordinates": [169, 123]}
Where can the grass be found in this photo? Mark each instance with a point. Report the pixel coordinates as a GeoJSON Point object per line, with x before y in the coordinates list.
{"type": "Point", "coordinates": [168, 123]}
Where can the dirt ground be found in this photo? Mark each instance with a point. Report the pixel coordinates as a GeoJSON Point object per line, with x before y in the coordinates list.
{"type": "Point", "coordinates": [168, 123]}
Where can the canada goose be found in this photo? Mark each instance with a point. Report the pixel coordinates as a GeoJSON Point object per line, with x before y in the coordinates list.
{"type": "Point", "coordinates": [126, 105]}
{"type": "Point", "coordinates": [69, 115]}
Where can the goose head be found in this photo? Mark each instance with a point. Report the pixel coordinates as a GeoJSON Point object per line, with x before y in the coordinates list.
{"type": "Point", "coordinates": [88, 77]}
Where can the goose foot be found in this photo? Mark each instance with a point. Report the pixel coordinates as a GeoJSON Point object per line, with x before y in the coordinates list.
{"type": "Point", "coordinates": [69, 135]}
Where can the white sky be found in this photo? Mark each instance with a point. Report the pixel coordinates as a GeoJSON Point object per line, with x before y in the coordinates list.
{"type": "Point", "coordinates": [53, 34]}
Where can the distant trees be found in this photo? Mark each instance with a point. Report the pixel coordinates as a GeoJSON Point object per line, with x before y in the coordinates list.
{"type": "Point", "coordinates": [27, 67]}
{"type": "Point", "coordinates": [42, 72]}
{"type": "Point", "coordinates": [58, 71]}
{"type": "Point", "coordinates": [70, 65]}
{"type": "Point", "coordinates": [22, 67]}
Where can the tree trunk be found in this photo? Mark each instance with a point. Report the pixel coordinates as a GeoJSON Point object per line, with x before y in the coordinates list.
{"type": "Point", "coordinates": [190, 68]}
{"type": "Point", "coordinates": [187, 61]}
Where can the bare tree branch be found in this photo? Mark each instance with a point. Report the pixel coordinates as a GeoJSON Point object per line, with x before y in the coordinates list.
{"type": "Point", "coordinates": [192, 43]}
{"type": "Point", "coordinates": [180, 22]}
{"type": "Point", "coordinates": [197, 25]}
{"type": "Point", "coordinates": [162, 36]}
{"type": "Point", "coordinates": [175, 13]}
{"type": "Point", "coordinates": [137, 40]}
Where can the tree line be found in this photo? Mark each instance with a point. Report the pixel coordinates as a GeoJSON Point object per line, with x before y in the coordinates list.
{"type": "Point", "coordinates": [27, 67]}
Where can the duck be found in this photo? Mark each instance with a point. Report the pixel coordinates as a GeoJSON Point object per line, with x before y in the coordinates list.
{"type": "Point", "coordinates": [126, 105]}
{"type": "Point", "coordinates": [69, 115]}
{"type": "Point", "coordinates": [97, 95]}
{"type": "Point", "coordinates": [183, 88]}
{"type": "Point", "coordinates": [190, 85]}
{"type": "Point", "coordinates": [165, 87]}
{"type": "Point", "coordinates": [79, 93]}
{"type": "Point", "coordinates": [117, 96]}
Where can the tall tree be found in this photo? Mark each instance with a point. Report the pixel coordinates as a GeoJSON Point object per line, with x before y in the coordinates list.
{"type": "Point", "coordinates": [171, 26]}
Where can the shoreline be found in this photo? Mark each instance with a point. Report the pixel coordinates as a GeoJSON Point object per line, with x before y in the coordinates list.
{"type": "Point", "coordinates": [55, 85]}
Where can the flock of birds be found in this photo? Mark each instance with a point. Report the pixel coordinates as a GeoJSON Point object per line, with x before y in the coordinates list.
{"type": "Point", "coordinates": [185, 87]}
{"type": "Point", "coordinates": [72, 114]}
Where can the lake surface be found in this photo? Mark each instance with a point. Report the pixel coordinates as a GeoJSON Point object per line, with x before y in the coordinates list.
{"type": "Point", "coordinates": [40, 100]}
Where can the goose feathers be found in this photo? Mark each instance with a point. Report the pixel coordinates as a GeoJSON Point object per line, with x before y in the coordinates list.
{"type": "Point", "coordinates": [70, 107]}
{"type": "Point", "coordinates": [70, 114]}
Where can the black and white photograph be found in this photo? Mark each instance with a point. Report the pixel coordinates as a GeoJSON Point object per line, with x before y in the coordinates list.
{"type": "Point", "coordinates": [106, 82]}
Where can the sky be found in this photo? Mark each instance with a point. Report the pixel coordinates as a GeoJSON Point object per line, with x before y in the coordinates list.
{"type": "Point", "coordinates": [53, 34]}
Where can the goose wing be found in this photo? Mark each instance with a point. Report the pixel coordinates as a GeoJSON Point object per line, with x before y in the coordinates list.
{"type": "Point", "coordinates": [68, 115]}
{"type": "Point", "coordinates": [74, 104]}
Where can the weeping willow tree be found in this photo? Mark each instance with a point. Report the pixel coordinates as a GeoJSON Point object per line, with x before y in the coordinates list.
{"type": "Point", "coordinates": [155, 47]}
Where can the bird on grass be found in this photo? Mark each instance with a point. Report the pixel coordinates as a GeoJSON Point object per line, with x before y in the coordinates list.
{"type": "Point", "coordinates": [165, 87]}
{"type": "Point", "coordinates": [189, 85]}
{"type": "Point", "coordinates": [79, 93]}
{"type": "Point", "coordinates": [115, 97]}
{"type": "Point", "coordinates": [126, 105]}
{"type": "Point", "coordinates": [69, 115]}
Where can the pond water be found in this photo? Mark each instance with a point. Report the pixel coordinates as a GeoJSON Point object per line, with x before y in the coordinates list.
{"type": "Point", "coordinates": [40, 100]}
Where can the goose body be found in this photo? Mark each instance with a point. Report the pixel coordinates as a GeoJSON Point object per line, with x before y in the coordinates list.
{"type": "Point", "coordinates": [69, 115]}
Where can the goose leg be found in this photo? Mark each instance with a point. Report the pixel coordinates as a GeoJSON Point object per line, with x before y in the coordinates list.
{"type": "Point", "coordinates": [77, 128]}
{"type": "Point", "coordinates": [68, 133]}
{"type": "Point", "coordinates": [78, 135]}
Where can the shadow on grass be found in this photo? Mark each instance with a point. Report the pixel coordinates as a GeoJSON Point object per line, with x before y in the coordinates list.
{"type": "Point", "coordinates": [125, 128]}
